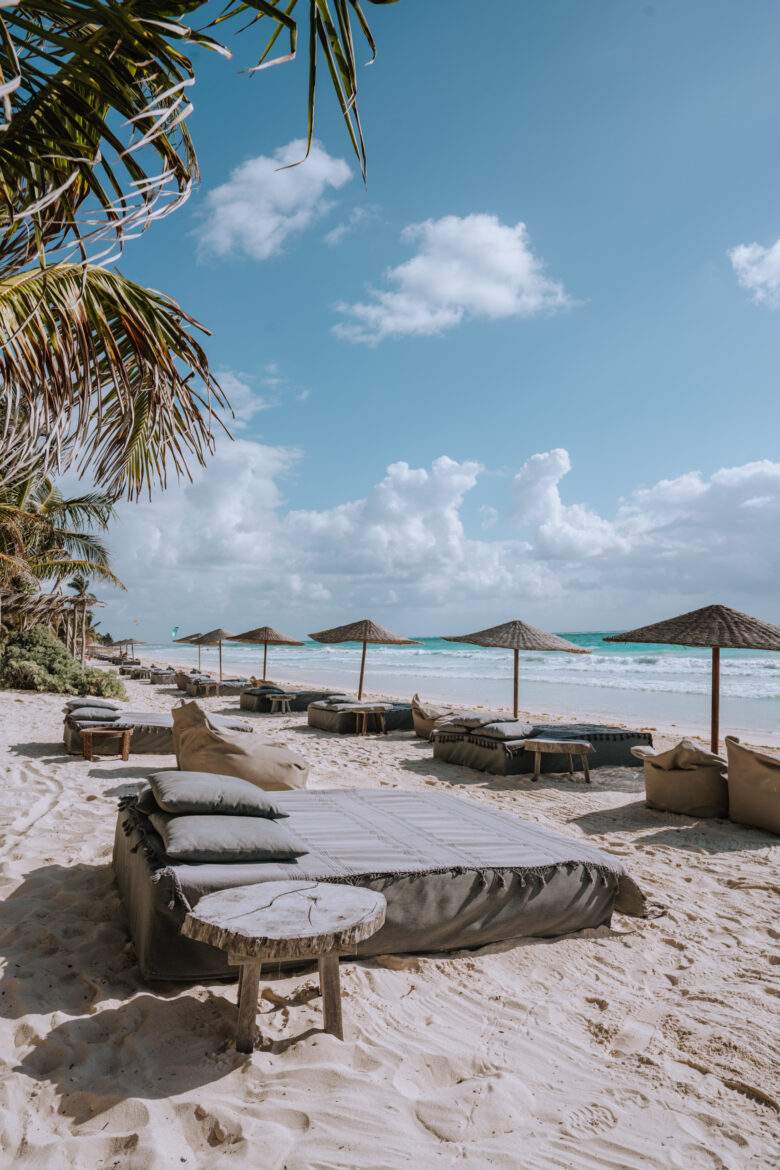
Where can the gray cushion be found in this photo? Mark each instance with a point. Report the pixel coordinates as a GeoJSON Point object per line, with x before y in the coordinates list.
{"type": "Point", "coordinates": [511, 729]}
{"type": "Point", "coordinates": [145, 801]}
{"type": "Point", "coordinates": [215, 838]}
{"type": "Point", "coordinates": [94, 714]}
{"type": "Point", "coordinates": [92, 701]}
{"type": "Point", "coordinates": [207, 793]}
{"type": "Point", "coordinates": [469, 720]}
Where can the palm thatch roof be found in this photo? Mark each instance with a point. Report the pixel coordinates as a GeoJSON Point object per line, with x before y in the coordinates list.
{"type": "Point", "coordinates": [712, 626]}
{"type": "Point", "coordinates": [213, 637]}
{"type": "Point", "coordinates": [266, 635]}
{"type": "Point", "coordinates": [191, 639]}
{"type": "Point", "coordinates": [518, 635]}
{"type": "Point", "coordinates": [363, 631]}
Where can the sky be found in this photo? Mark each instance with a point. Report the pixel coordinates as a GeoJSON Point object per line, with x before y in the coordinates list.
{"type": "Point", "coordinates": [529, 369]}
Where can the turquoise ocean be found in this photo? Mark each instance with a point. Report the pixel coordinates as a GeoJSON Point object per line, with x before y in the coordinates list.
{"type": "Point", "coordinates": [645, 684]}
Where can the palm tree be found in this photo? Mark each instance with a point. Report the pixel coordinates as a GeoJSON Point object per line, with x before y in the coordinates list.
{"type": "Point", "coordinates": [90, 361]}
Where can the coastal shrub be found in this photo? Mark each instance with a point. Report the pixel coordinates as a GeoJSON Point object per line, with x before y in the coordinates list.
{"type": "Point", "coordinates": [35, 660]}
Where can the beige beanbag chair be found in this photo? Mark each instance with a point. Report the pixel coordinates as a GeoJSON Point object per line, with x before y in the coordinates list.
{"type": "Point", "coordinates": [754, 786]}
{"type": "Point", "coordinates": [425, 718]}
{"type": "Point", "coordinates": [685, 779]}
{"type": "Point", "coordinates": [202, 747]}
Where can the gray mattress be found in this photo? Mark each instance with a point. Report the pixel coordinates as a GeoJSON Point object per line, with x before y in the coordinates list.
{"type": "Point", "coordinates": [508, 757]}
{"type": "Point", "coordinates": [196, 688]}
{"type": "Point", "coordinates": [259, 698]}
{"type": "Point", "coordinates": [152, 733]}
{"type": "Point", "coordinates": [454, 872]}
{"type": "Point", "coordinates": [399, 718]}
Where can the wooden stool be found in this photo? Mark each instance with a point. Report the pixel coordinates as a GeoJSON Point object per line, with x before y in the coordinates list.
{"type": "Point", "coordinates": [280, 704]}
{"type": "Point", "coordinates": [123, 733]}
{"type": "Point", "coordinates": [275, 921]}
{"type": "Point", "coordinates": [561, 747]}
{"type": "Point", "coordinates": [362, 714]}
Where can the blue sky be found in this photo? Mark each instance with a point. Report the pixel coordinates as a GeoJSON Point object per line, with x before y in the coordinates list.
{"type": "Point", "coordinates": [637, 144]}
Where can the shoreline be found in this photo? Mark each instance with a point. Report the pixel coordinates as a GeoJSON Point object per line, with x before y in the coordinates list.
{"type": "Point", "coordinates": [667, 730]}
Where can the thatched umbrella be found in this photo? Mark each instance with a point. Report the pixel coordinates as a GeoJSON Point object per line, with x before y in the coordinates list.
{"type": "Point", "coordinates": [364, 631]}
{"type": "Point", "coordinates": [714, 626]}
{"type": "Point", "coordinates": [266, 636]}
{"type": "Point", "coordinates": [192, 640]}
{"type": "Point", "coordinates": [518, 636]}
{"type": "Point", "coordinates": [216, 638]}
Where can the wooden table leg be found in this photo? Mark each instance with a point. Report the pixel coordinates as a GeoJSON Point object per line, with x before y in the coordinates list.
{"type": "Point", "coordinates": [585, 770]}
{"type": "Point", "coordinates": [126, 745]}
{"type": "Point", "coordinates": [330, 988]}
{"type": "Point", "coordinates": [86, 745]}
{"type": "Point", "coordinates": [248, 984]}
{"type": "Point", "coordinates": [384, 723]}
{"type": "Point", "coordinates": [537, 765]}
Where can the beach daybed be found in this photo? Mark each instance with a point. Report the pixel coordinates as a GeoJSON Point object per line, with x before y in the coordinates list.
{"type": "Point", "coordinates": [198, 688]}
{"type": "Point", "coordinates": [152, 730]}
{"type": "Point", "coordinates": [496, 745]}
{"type": "Point", "coordinates": [454, 873]}
{"type": "Point", "coordinates": [259, 698]}
{"type": "Point", "coordinates": [338, 714]}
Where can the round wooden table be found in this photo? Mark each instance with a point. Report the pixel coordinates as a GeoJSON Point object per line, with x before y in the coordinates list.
{"type": "Point", "coordinates": [124, 734]}
{"type": "Point", "coordinates": [276, 921]}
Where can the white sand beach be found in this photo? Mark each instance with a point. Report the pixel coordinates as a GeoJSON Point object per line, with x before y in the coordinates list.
{"type": "Point", "coordinates": [650, 1044]}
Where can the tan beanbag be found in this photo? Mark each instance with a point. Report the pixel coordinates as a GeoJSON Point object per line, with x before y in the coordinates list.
{"type": "Point", "coordinates": [425, 718]}
{"type": "Point", "coordinates": [754, 786]}
{"type": "Point", "coordinates": [685, 779]}
{"type": "Point", "coordinates": [202, 747]}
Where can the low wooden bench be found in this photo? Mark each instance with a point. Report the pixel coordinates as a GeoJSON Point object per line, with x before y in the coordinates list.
{"type": "Point", "coordinates": [124, 734]}
{"type": "Point", "coordinates": [362, 714]}
{"type": "Point", "coordinates": [277, 921]}
{"type": "Point", "coordinates": [560, 747]}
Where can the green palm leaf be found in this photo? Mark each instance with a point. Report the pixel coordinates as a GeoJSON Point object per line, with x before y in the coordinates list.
{"type": "Point", "coordinates": [96, 361]}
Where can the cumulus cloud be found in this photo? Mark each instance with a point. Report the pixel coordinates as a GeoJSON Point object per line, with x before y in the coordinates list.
{"type": "Point", "coordinates": [263, 204]}
{"type": "Point", "coordinates": [357, 217]}
{"type": "Point", "coordinates": [758, 270]}
{"type": "Point", "coordinates": [244, 399]}
{"type": "Point", "coordinates": [471, 266]}
{"type": "Point", "coordinates": [227, 547]}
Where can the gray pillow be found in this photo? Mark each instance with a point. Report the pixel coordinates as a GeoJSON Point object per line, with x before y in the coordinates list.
{"type": "Point", "coordinates": [145, 801]}
{"type": "Point", "coordinates": [468, 720]}
{"type": "Point", "coordinates": [91, 701]}
{"type": "Point", "coordinates": [94, 715]}
{"type": "Point", "coordinates": [207, 793]}
{"type": "Point", "coordinates": [510, 729]}
{"type": "Point", "coordinates": [203, 838]}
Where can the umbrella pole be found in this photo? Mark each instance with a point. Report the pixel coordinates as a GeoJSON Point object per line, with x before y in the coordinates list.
{"type": "Point", "coordinates": [715, 728]}
{"type": "Point", "coordinates": [265, 657]}
{"type": "Point", "coordinates": [517, 667]}
{"type": "Point", "coordinates": [362, 671]}
{"type": "Point", "coordinates": [220, 662]}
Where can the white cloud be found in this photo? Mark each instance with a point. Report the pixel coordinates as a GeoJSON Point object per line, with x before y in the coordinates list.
{"type": "Point", "coordinates": [473, 266]}
{"type": "Point", "coordinates": [227, 549]}
{"type": "Point", "coordinates": [758, 270]}
{"type": "Point", "coordinates": [246, 402]}
{"type": "Point", "coordinates": [262, 204]}
{"type": "Point", "coordinates": [358, 216]}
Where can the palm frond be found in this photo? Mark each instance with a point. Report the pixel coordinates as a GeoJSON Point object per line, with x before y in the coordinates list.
{"type": "Point", "coordinates": [95, 367]}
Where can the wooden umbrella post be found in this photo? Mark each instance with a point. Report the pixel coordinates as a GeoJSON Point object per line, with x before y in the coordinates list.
{"type": "Point", "coordinates": [362, 671]}
{"type": "Point", "coordinates": [265, 657]}
{"type": "Point", "coordinates": [715, 722]}
{"type": "Point", "coordinates": [198, 656]}
{"type": "Point", "coordinates": [517, 668]}
{"type": "Point", "coordinates": [220, 662]}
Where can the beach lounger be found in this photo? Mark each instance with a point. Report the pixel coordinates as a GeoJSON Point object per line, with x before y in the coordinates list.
{"type": "Point", "coordinates": [455, 874]}
{"type": "Point", "coordinates": [152, 731]}
{"type": "Point", "coordinates": [497, 749]}
{"type": "Point", "coordinates": [200, 688]}
{"type": "Point", "coordinates": [331, 715]}
{"type": "Point", "coordinates": [259, 698]}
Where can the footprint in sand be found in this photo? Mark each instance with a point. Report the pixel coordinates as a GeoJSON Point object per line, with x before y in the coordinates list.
{"type": "Point", "coordinates": [589, 1119]}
